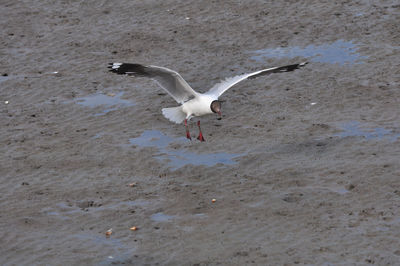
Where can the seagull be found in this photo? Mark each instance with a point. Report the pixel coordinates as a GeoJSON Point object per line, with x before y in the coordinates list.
{"type": "Point", "coordinates": [193, 104]}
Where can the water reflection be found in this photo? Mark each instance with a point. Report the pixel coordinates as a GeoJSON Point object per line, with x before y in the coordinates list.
{"type": "Point", "coordinates": [340, 52]}
{"type": "Point", "coordinates": [177, 158]}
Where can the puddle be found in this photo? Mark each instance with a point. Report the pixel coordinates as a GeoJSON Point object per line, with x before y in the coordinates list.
{"type": "Point", "coordinates": [161, 217]}
{"type": "Point", "coordinates": [111, 103]}
{"type": "Point", "coordinates": [200, 215]}
{"type": "Point", "coordinates": [181, 158]}
{"type": "Point", "coordinates": [257, 204]}
{"type": "Point", "coordinates": [4, 78]}
{"type": "Point", "coordinates": [355, 129]}
{"type": "Point", "coordinates": [113, 249]}
{"type": "Point", "coordinates": [178, 158]}
{"type": "Point", "coordinates": [154, 138]}
{"type": "Point", "coordinates": [98, 135]}
{"type": "Point", "coordinates": [62, 211]}
{"type": "Point", "coordinates": [339, 190]}
{"type": "Point", "coordinates": [339, 52]}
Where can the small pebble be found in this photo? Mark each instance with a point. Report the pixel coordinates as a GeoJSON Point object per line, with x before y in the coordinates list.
{"type": "Point", "coordinates": [109, 232]}
{"type": "Point", "coordinates": [213, 200]}
{"type": "Point", "coordinates": [6, 102]}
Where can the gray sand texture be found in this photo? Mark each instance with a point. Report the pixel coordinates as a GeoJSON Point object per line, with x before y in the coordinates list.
{"type": "Point", "coordinates": [303, 168]}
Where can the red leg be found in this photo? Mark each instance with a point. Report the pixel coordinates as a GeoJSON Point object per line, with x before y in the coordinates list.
{"type": "Point", "coordinates": [187, 130]}
{"type": "Point", "coordinates": [200, 137]}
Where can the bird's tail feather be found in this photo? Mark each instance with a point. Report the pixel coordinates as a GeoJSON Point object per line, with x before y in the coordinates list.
{"type": "Point", "coordinates": [174, 114]}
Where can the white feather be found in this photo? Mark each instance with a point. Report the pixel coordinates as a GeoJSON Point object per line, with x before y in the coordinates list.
{"type": "Point", "coordinates": [174, 114]}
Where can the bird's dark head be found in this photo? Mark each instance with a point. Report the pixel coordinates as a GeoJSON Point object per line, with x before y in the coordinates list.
{"type": "Point", "coordinates": [216, 107]}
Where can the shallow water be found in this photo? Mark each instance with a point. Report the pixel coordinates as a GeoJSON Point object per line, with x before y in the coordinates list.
{"type": "Point", "coordinates": [4, 78]}
{"type": "Point", "coordinates": [356, 129]}
{"type": "Point", "coordinates": [177, 158]}
{"type": "Point", "coordinates": [161, 217]}
{"type": "Point", "coordinates": [110, 103]}
{"type": "Point", "coordinates": [115, 251]}
{"type": "Point", "coordinates": [339, 52]}
{"type": "Point", "coordinates": [154, 138]}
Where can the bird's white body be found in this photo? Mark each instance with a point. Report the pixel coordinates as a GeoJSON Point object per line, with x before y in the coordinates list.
{"type": "Point", "coordinates": [198, 106]}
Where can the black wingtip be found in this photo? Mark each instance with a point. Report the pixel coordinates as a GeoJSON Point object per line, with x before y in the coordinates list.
{"type": "Point", "coordinates": [290, 68]}
{"type": "Point", "coordinates": [129, 69]}
{"type": "Point", "coordinates": [114, 67]}
{"type": "Point", "coordinates": [281, 69]}
{"type": "Point", "coordinates": [112, 70]}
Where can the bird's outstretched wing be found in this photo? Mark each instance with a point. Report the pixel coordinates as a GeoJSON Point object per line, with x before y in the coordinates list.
{"type": "Point", "coordinates": [219, 88]}
{"type": "Point", "coordinates": [168, 79]}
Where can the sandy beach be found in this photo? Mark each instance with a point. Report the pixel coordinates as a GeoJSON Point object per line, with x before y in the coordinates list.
{"type": "Point", "coordinates": [303, 168]}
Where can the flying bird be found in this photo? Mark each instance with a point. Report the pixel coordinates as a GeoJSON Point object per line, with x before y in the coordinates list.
{"type": "Point", "coordinates": [192, 103]}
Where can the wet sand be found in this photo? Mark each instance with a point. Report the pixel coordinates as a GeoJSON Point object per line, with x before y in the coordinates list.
{"type": "Point", "coordinates": [303, 167]}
